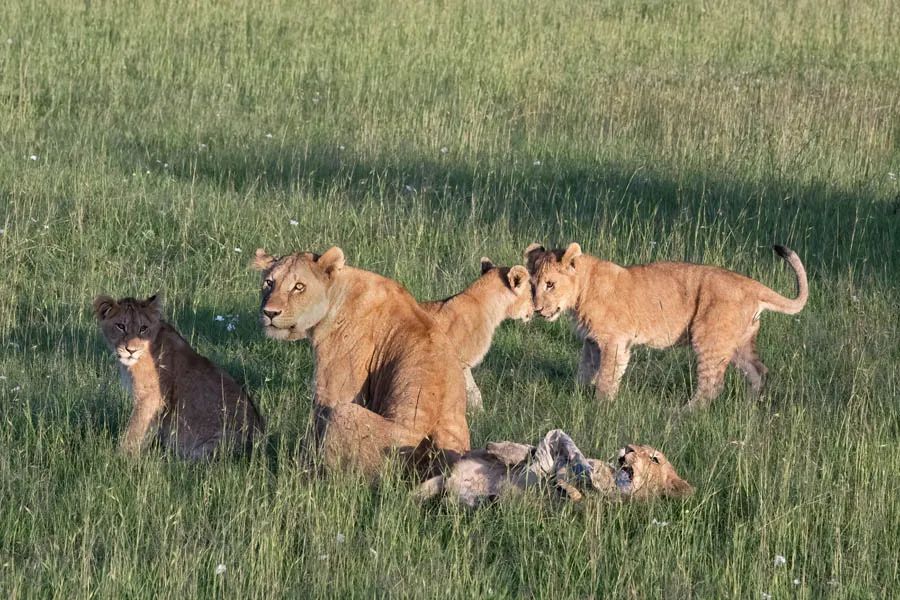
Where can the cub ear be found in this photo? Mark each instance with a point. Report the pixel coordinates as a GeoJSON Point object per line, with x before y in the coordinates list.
{"type": "Point", "coordinates": [154, 303]}
{"type": "Point", "coordinates": [571, 253]}
{"type": "Point", "coordinates": [102, 306]}
{"type": "Point", "coordinates": [678, 488]}
{"type": "Point", "coordinates": [486, 264]}
{"type": "Point", "coordinates": [262, 261]}
{"type": "Point", "coordinates": [519, 280]}
{"type": "Point", "coordinates": [332, 260]}
{"type": "Point", "coordinates": [531, 254]}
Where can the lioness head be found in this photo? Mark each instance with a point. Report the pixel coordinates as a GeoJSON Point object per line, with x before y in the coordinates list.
{"type": "Point", "coordinates": [128, 325]}
{"type": "Point", "coordinates": [644, 472]}
{"type": "Point", "coordinates": [519, 284]}
{"type": "Point", "coordinates": [295, 291]}
{"type": "Point", "coordinates": [553, 279]}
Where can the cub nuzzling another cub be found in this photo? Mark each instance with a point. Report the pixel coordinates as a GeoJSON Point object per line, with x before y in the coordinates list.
{"type": "Point", "coordinates": [658, 305]}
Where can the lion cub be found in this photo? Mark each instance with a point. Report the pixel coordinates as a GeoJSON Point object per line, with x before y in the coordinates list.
{"type": "Point", "coordinates": [659, 305]}
{"type": "Point", "coordinates": [503, 468]}
{"type": "Point", "coordinates": [191, 404]}
{"type": "Point", "coordinates": [470, 317]}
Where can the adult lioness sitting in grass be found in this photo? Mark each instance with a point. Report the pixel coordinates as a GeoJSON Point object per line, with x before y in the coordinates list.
{"type": "Point", "coordinates": [470, 317]}
{"type": "Point", "coordinates": [658, 305]}
{"type": "Point", "coordinates": [193, 406]}
{"type": "Point", "coordinates": [386, 377]}
{"type": "Point", "coordinates": [641, 473]}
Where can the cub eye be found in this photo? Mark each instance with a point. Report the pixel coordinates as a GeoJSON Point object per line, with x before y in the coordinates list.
{"type": "Point", "coordinates": [550, 285]}
{"type": "Point", "coordinates": [143, 328]}
{"type": "Point", "coordinates": [121, 327]}
{"type": "Point", "coordinates": [299, 287]}
{"type": "Point", "coordinates": [269, 284]}
{"type": "Point", "coordinates": [654, 459]}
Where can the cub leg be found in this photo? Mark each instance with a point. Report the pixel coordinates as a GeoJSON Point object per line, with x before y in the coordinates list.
{"type": "Point", "coordinates": [747, 361]}
{"type": "Point", "coordinates": [711, 366]}
{"type": "Point", "coordinates": [614, 359]}
{"type": "Point", "coordinates": [351, 435]}
{"type": "Point", "coordinates": [144, 415]}
{"type": "Point", "coordinates": [590, 362]}
{"type": "Point", "coordinates": [473, 394]}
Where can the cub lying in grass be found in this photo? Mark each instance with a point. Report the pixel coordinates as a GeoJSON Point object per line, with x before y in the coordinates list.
{"type": "Point", "coordinates": [501, 468]}
{"type": "Point", "coordinates": [192, 405]}
{"type": "Point", "coordinates": [659, 305]}
{"type": "Point", "coordinates": [471, 317]}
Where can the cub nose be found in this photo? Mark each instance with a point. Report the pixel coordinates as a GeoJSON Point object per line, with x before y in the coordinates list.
{"type": "Point", "coordinates": [271, 313]}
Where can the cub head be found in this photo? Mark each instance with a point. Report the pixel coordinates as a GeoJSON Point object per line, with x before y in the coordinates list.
{"type": "Point", "coordinates": [553, 278]}
{"type": "Point", "coordinates": [518, 282]}
{"type": "Point", "coordinates": [295, 291]}
{"type": "Point", "coordinates": [644, 472]}
{"type": "Point", "coordinates": [128, 325]}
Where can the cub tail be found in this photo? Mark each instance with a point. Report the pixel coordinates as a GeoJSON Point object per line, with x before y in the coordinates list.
{"type": "Point", "coordinates": [772, 300]}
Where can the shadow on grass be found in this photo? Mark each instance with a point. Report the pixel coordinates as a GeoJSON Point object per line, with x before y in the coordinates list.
{"type": "Point", "coordinates": [831, 227]}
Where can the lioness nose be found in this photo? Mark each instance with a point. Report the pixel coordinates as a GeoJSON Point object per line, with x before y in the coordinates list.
{"type": "Point", "coordinates": [271, 313]}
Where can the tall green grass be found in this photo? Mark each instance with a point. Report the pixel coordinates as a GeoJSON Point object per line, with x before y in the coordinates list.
{"type": "Point", "coordinates": [170, 139]}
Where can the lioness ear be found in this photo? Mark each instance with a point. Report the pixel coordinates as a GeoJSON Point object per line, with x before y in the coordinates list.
{"type": "Point", "coordinates": [262, 261]}
{"type": "Point", "coordinates": [486, 264]}
{"type": "Point", "coordinates": [102, 306]}
{"type": "Point", "coordinates": [571, 253]}
{"type": "Point", "coordinates": [332, 260]}
{"type": "Point", "coordinates": [678, 488]}
{"type": "Point", "coordinates": [518, 278]}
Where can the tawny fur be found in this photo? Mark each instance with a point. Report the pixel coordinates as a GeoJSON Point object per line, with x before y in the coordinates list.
{"type": "Point", "coordinates": [506, 468]}
{"type": "Point", "coordinates": [386, 377]}
{"type": "Point", "coordinates": [471, 317]}
{"type": "Point", "coordinates": [191, 405]}
{"type": "Point", "coordinates": [658, 305]}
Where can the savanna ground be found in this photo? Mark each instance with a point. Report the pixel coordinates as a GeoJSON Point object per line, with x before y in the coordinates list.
{"type": "Point", "coordinates": [152, 146]}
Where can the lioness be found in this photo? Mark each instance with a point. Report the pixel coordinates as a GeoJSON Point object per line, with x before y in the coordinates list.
{"type": "Point", "coordinates": [192, 405]}
{"type": "Point", "coordinates": [386, 377]}
{"type": "Point", "coordinates": [502, 468]}
{"type": "Point", "coordinates": [470, 317]}
{"type": "Point", "coordinates": [659, 305]}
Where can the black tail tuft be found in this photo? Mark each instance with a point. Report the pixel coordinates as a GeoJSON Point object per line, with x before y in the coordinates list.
{"type": "Point", "coordinates": [783, 251]}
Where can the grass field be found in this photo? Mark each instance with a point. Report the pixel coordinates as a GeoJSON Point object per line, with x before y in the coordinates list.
{"type": "Point", "coordinates": [152, 146]}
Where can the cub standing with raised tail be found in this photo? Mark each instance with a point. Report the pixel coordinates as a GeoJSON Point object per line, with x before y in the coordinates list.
{"type": "Point", "coordinates": [470, 317]}
{"type": "Point", "coordinates": [658, 305]}
{"type": "Point", "coordinates": [191, 405]}
{"type": "Point", "coordinates": [386, 378]}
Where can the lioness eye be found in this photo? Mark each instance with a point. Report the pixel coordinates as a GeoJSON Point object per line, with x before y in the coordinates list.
{"type": "Point", "coordinates": [299, 287]}
{"type": "Point", "coordinates": [269, 283]}
{"type": "Point", "coordinates": [121, 327]}
{"type": "Point", "coordinates": [654, 459]}
{"type": "Point", "coordinates": [143, 328]}
{"type": "Point", "coordinates": [550, 285]}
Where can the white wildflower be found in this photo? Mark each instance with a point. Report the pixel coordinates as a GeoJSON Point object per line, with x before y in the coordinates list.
{"type": "Point", "coordinates": [2, 377]}
{"type": "Point", "coordinates": [220, 569]}
{"type": "Point", "coordinates": [33, 157]}
{"type": "Point", "coordinates": [18, 388]}
{"type": "Point", "coordinates": [659, 523]}
{"type": "Point", "coordinates": [323, 557]}
{"type": "Point", "coordinates": [892, 176]}
{"type": "Point", "coordinates": [780, 561]}
{"type": "Point", "coordinates": [339, 538]}
{"type": "Point", "coordinates": [341, 147]}
{"type": "Point", "coordinates": [9, 40]}
{"type": "Point", "coordinates": [238, 250]}
{"type": "Point", "coordinates": [294, 222]}
{"type": "Point", "coordinates": [444, 150]}
{"type": "Point", "coordinates": [537, 163]}
{"type": "Point", "coordinates": [203, 147]}
{"type": "Point", "coordinates": [269, 136]}
{"type": "Point", "coordinates": [796, 582]}
{"type": "Point", "coordinates": [2, 231]}
{"type": "Point", "coordinates": [218, 318]}
{"type": "Point", "coordinates": [230, 327]}
{"type": "Point", "coordinates": [766, 596]}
